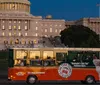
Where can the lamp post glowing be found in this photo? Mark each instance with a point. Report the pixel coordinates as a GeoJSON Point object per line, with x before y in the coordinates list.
{"type": "Point", "coordinates": [99, 9]}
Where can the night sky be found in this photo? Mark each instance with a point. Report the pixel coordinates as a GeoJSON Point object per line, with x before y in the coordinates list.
{"type": "Point", "coordinates": [65, 9]}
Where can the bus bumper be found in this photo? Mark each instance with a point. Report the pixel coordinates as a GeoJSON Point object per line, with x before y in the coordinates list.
{"type": "Point", "coordinates": [9, 79]}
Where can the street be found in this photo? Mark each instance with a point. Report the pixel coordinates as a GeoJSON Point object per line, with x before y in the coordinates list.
{"type": "Point", "coordinates": [5, 82]}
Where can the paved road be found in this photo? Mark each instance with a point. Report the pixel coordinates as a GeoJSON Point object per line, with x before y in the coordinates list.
{"type": "Point", "coordinates": [5, 82]}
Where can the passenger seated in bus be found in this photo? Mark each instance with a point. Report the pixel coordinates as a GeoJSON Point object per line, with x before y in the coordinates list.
{"type": "Point", "coordinates": [49, 61]}
{"type": "Point", "coordinates": [17, 63]}
{"type": "Point", "coordinates": [23, 61]}
{"type": "Point", "coordinates": [84, 57]}
{"type": "Point", "coordinates": [88, 58]}
{"type": "Point", "coordinates": [77, 58]}
{"type": "Point", "coordinates": [38, 60]}
{"type": "Point", "coordinates": [32, 61]}
{"type": "Point", "coordinates": [94, 56]}
{"type": "Point", "coordinates": [35, 61]}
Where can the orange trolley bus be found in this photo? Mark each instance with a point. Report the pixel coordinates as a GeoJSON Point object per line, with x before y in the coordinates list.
{"type": "Point", "coordinates": [32, 64]}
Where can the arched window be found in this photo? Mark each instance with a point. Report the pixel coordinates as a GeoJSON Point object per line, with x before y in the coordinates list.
{"type": "Point", "coordinates": [17, 41]}
{"type": "Point", "coordinates": [11, 42]}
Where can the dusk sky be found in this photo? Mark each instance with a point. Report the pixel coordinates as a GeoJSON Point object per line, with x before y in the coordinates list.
{"type": "Point", "coordinates": [65, 9]}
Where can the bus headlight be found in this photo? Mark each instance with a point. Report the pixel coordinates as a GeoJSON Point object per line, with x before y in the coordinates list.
{"type": "Point", "coordinates": [11, 76]}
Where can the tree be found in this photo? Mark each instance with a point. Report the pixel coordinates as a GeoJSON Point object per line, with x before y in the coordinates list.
{"type": "Point", "coordinates": [79, 36]}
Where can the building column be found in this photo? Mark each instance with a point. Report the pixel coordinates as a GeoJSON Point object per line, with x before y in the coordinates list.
{"type": "Point", "coordinates": [18, 6]}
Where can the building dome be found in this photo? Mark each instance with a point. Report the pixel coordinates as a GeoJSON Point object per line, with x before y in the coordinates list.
{"type": "Point", "coordinates": [15, 5]}
{"type": "Point", "coordinates": [49, 17]}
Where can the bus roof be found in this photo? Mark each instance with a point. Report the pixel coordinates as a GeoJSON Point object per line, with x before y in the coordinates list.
{"type": "Point", "coordinates": [70, 49]}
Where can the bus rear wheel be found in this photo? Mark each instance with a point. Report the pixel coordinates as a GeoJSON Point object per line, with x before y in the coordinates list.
{"type": "Point", "coordinates": [31, 79]}
{"type": "Point", "coordinates": [90, 80]}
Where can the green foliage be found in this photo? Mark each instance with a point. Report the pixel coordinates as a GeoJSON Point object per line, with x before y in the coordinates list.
{"type": "Point", "coordinates": [3, 60]}
{"type": "Point", "coordinates": [79, 36]}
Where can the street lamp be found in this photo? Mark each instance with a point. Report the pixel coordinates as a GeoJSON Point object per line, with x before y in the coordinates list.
{"type": "Point", "coordinates": [99, 9]}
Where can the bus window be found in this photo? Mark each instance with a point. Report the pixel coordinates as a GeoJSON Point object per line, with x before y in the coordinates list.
{"type": "Point", "coordinates": [48, 58]}
{"type": "Point", "coordinates": [82, 59]}
{"type": "Point", "coordinates": [77, 58]}
{"type": "Point", "coordinates": [35, 59]}
{"type": "Point", "coordinates": [20, 58]}
{"type": "Point", "coordinates": [61, 57]}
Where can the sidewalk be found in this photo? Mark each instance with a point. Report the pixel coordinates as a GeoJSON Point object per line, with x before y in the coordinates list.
{"type": "Point", "coordinates": [3, 74]}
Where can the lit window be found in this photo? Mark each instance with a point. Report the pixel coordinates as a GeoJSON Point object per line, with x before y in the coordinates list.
{"type": "Point", "coordinates": [13, 6]}
{"type": "Point", "coordinates": [45, 30]}
{"type": "Point", "coordinates": [25, 27]}
{"type": "Point", "coordinates": [36, 28]}
{"type": "Point", "coordinates": [10, 6]}
{"type": "Point", "coordinates": [3, 34]}
{"type": "Point", "coordinates": [9, 21]}
{"type": "Point", "coordinates": [14, 33]}
{"type": "Point", "coordinates": [10, 27]}
{"type": "Point", "coordinates": [25, 34]}
{"type": "Point", "coordinates": [56, 30]}
{"type": "Point", "coordinates": [3, 27]}
{"type": "Point", "coordinates": [19, 34]}
{"type": "Point", "coordinates": [19, 28]}
{"type": "Point", "coordinates": [3, 21]}
{"type": "Point", "coordinates": [36, 34]}
{"type": "Point", "coordinates": [14, 21]}
{"type": "Point", "coordinates": [59, 30]}
{"type": "Point", "coordinates": [47, 55]}
{"type": "Point", "coordinates": [50, 29]}
{"type": "Point", "coordinates": [19, 21]}
{"type": "Point", "coordinates": [14, 27]}
{"type": "Point", "coordinates": [25, 21]}
{"type": "Point", "coordinates": [46, 36]}
{"type": "Point", "coordinates": [9, 34]}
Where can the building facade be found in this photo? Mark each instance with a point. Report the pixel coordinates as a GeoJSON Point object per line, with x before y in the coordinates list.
{"type": "Point", "coordinates": [92, 23]}
{"type": "Point", "coordinates": [18, 26]}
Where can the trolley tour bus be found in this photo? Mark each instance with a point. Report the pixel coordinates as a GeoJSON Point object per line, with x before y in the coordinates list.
{"type": "Point", "coordinates": [65, 64]}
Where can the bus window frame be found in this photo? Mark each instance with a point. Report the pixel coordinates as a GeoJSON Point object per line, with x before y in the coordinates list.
{"type": "Point", "coordinates": [30, 59]}
{"type": "Point", "coordinates": [88, 53]}
{"type": "Point", "coordinates": [62, 51]}
{"type": "Point", "coordinates": [53, 57]}
{"type": "Point", "coordinates": [14, 57]}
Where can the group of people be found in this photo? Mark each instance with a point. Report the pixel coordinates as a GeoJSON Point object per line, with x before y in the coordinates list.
{"type": "Point", "coordinates": [35, 62]}
{"type": "Point", "coordinates": [21, 62]}
{"type": "Point", "coordinates": [84, 58]}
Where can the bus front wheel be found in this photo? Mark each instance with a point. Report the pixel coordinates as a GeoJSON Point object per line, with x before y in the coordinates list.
{"type": "Point", "coordinates": [90, 79]}
{"type": "Point", "coordinates": [31, 79]}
